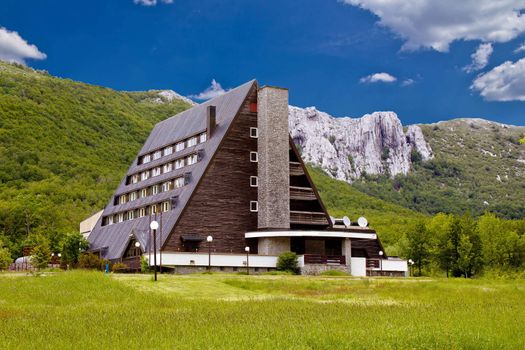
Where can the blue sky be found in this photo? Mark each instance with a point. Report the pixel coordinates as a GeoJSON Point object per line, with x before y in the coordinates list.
{"type": "Point", "coordinates": [347, 58]}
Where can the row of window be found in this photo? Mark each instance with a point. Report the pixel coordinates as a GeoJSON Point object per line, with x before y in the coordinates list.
{"type": "Point", "coordinates": [151, 190]}
{"type": "Point", "coordinates": [177, 147]}
{"type": "Point", "coordinates": [165, 168]}
{"type": "Point", "coordinates": [136, 213]}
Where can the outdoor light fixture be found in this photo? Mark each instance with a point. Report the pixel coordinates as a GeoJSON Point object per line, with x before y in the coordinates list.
{"type": "Point", "coordinates": [247, 250]}
{"type": "Point", "coordinates": [209, 239]}
{"type": "Point", "coordinates": [59, 255]}
{"type": "Point", "coordinates": [154, 225]}
{"type": "Point", "coordinates": [137, 244]}
{"type": "Point", "coordinates": [381, 262]}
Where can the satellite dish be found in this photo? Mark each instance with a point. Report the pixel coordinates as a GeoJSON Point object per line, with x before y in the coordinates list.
{"type": "Point", "coordinates": [362, 221]}
{"type": "Point", "coordinates": [332, 219]}
{"type": "Point", "coordinates": [347, 221]}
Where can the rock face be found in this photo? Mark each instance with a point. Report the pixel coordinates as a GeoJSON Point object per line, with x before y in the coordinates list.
{"type": "Point", "coordinates": [170, 95]}
{"type": "Point", "coordinates": [347, 148]}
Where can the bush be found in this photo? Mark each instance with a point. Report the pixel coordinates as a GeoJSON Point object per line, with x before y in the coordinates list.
{"type": "Point", "coordinates": [288, 262]}
{"type": "Point", "coordinates": [5, 259]}
{"type": "Point", "coordinates": [72, 245]}
{"type": "Point", "coordinates": [119, 267]}
{"type": "Point", "coordinates": [91, 261]}
{"type": "Point", "coordinates": [144, 265]}
{"type": "Point", "coordinates": [334, 273]}
{"type": "Point", "coordinates": [41, 254]}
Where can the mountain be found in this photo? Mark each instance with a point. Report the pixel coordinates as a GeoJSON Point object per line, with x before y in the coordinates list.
{"type": "Point", "coordinates": [454, 166]}
{"type": "Point", "coordinates": [64, 147]}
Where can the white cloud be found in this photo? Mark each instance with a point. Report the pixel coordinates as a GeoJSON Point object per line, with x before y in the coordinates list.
{"type": "Point", "coordinates": [407, 82]}
{"type": "Point", "coordinates": [437, 23]}
{"type": "Point", "coordinates": [378, 77]}
{"type": "Point", "coordinates": [505, 82]}
{"type": "Point", "coordinates": [520, 48]}
{"type": "Point", "coordinates": [151, 2]}
{"type": "Point", "coordinates": [480, 58]}
{"type": "Point", "coordinates": [212, 91]}
{"type": "Point", "coordinates": [13, 48]}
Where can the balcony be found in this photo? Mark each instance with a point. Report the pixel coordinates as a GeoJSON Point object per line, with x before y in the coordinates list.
{"type": "Point", "coordinates": [296, 169]}
{"type": "Point", "coordinates": [308, 218]}
{"type": "Point", "coordinates": [302, 193]}
{"type": "Point", "coordinates": [324, 259]}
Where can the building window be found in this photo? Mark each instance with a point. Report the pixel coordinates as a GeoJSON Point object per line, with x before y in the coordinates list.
{"type": "Point", "coordinates": [131, 215]}
{"type": "Point", "coordinates": [254, 133]}
{"type": "Point", "coordinates": [191, 159]}
{"type": "Point", "coordinates": [179, 182]}
{"type": "Point", "coordinates": [179, 146]}
{"type": "Point", "coordinates": [166, 186]}
{"type": "Point", "coordinates": [135, 179]}
{"type": "Point", "coordinates": [133, 196]}
{"type": "Point", "coordinates": [144, 175]}
{"type": "Point", "coordinates": [157, 155]}
{"type": "Point", "coordinates": [146, 159]}
{"type": "Point", "coordinates": [167, 168]}
{"type": "Point", "coordinates": [120, 217]}
{"type": "Point", "coordinates": [155, 189]}
{"type": "Point", "coordinates": [142, 212]}
{"type": "Point", "coordinates": [143, 192]}
{"type": "Point", "coordinates": [254, 206]}
{"type": "Point", "coordinates": [179, 163]}
{"type": "Point", "coordinates": [155, 171]}
{"type": "Point", "coordinates": [254, 157]}
{"type": "Point", "coordinates": [202, 137]}
{"type": "Point", "coordinates": [153, 209]}
{"type": "Point", "coordinates": [110, 220]}
{"type": "Point", "coordinates": [192, 141]}
{"type": "Point", "coordinates": [122, 199]}
{"type": "Point", "coordinates": [168, 150]}
{"type": "Point", "coordinates": [165, 206]}
{"type": "Point", "coordinates": [254, 181]}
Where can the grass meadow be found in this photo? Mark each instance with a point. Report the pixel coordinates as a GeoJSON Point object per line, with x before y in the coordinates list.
{"type": "Point", "coordinates": [86, 310]}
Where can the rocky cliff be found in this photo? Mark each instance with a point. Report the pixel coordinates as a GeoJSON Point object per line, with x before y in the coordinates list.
{"type": "Point", "coordinates": [347, 148]}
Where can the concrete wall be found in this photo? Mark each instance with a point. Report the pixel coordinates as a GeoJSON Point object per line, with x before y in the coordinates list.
{"type": "Point", "coordinates": [273, 245]}
{"type": "Point", "coordinates": [87, 225]}
{"type": "Point", "coordinates": [273, 163]}
{"type": "Point", "coordinates": [358, 266]}
{"type": "Point", "coordinates": [226, 260]}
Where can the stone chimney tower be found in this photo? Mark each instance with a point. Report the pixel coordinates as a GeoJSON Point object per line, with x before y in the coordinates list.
{"type": "Point", "coordinates": [273, 158]}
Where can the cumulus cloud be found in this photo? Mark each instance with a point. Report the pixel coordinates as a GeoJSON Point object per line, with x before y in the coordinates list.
{"type": "Point", "coordinates": [480, 58]}
{"type": "Point", "coordinates": [505, 82]}
{"type": "Point", "coordinates": [214, 90]}
{"type": "Point", "coordinates": [13, 48]}
{"type": "Point", "coordinates": [436, 24]}
{"type": "Point", "coordinates": [520, 48]}
{"type": "Point", "coordinates": [378, 78]}
{"type": "Point", "coordinates": [151, 2]}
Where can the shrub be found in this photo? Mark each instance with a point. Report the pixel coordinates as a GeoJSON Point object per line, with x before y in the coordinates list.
{"type": "Point", "coordinates": [72, 245]}
{"type": "Point", "coordinates": [334, 273]}
{"type": "Point", "coordinates": [5, 259]}
{"type": "Point", "coordinates": [41, 254]}
{"type": "Point", "coordinates": [144, 265]}
{"type": "Point", "coordinates": [288, 262]}
{"type": "Point", "coordinates": [119, 267]}
{"type": "Point", "coordinates": [91, 261]}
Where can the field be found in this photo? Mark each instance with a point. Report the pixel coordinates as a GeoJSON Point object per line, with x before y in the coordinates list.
{"type": "Point", "coordinates": [90, 310]}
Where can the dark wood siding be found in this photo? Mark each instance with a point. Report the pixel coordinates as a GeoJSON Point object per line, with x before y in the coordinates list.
{"type": "Point", "coordinates": [220, 205]}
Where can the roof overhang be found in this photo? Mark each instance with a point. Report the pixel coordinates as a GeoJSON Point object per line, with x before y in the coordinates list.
{"type": "Point", "coordinates": [317, 234]}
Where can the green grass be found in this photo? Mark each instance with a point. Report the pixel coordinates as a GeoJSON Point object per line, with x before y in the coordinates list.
{"type": "Point", "coordinates": [89, 310]}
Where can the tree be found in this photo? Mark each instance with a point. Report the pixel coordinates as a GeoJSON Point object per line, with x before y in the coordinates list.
{"type": "Point", "coordinates": [5, 258]}
{"type": "Point", "coordinates": [72, 246]}
{"type": "Point", "coordinates": [419, 246]}
{"type": "Point", "coordinates": [41, 254]}
{"type": "Point", "coordinates": [287, 261]}
{"type": "Point", "coordinates": [465, 255]}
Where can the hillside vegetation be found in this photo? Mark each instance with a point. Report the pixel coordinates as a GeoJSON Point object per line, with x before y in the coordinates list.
{"type": "Point", "coordinates": [64, 147]}
{"type": "Point", "coordinates": [479, 166]}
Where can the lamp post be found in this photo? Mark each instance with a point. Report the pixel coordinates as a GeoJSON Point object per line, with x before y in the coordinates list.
{"type": "Point", "coordinates": [247, 250]}
{"type": "Point", "coordinates": [411, 263]}
{"type": "Point", "coordinates": [154, 226]}
{"type": "Point", "coordinates": [381, 262]}
{"type": "Point", "coordinates": [209, 239]}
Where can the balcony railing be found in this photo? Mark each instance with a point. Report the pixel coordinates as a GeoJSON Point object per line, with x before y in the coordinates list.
{"type": "Point", "coordinates": [296, 169]}
{"type": "Point", "coordinates": [302, 193]}
{"type": "Point", "coordinates": [308, 218]}
{"type": "Point", "coordinates": [324, 259]}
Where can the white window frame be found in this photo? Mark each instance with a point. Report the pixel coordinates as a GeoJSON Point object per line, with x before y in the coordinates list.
{"type": "Point", "coordinates": [165, 206]}
{"type": "Point", "coordinates": [166, 168]}
{"type": "Point", "coordinates": [254, 133]}
{"type": "Point", "coordinates": [155, 189]}
{"type": "Point", "coordinates": [156, 171]}
{"type": "Point", "coordinates": [252, 178]}
{"type": "Point", "coordinates": [179, 182]}
{"type": "Point", "coordinates": [252, 158]}
{"type": "Point", "coordinates": [191, 159]}
{"type": "Point", "coordinates": [143, 193]}
{"type": "Point", "coordinates": [153, 209]}
{"type": "Point", "coordinates": [179, 163]}
{"type": "Point", "coordinates": [252, 204]}
{"type": "Point", "coordinates": [110, 220]}
{"type": "Point", "coordinates": [168, 150]}
{"type": "Point", "coordinates": [120, 217]}
{"type": "Point", "coordinates": [179, 146]}
{"type": "Point", "coordinates": [157, 154]}
{"type": "Point", "coordinates": [131, 215]}
{"type": "Point", "coordinates": [144, 175]}
{"type": "Point", "coordinates": [135, 178]}
{"type": "Point", "coordinates": [192, 141]}
{"type": "Point", "coordinates": [146, 159]}
{"type": "Point", "coordinates": [166, 186]}
{"type": "Point", "coordinates": [122, 199]}
{"type": "Point", "coordinates": [142, 212]}
{"type": "Point", "coordinates": [203, 137]}
{"type": "Point", "coordinates": [133, 196]}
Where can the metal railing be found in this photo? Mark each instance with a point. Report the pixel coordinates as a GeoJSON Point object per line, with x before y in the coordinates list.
{"type": "Point", "coordinates": [324, 259]}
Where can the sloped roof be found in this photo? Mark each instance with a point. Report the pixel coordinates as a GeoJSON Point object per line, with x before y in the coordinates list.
{"type": "Point", "coordinates": [190, 122]}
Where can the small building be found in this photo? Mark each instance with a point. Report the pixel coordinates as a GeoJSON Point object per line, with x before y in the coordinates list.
{"type": "Point", "coordinates": [228, 169]}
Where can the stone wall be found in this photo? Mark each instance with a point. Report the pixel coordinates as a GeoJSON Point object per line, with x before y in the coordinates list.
{"type": "Point", "coordinates": [316, 269]}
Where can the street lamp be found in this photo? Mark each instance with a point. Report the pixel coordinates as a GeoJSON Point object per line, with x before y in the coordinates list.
{"type": "Point", "coordinates": [137, 244]}
{"type": "Point", "coordinates": [381, 262]}
{"type": "Point", "coordinates": [154, 225]}
{"type": "Point", "coordinates": [411, 262]}
{"type": "Point", "coordinates": [247, 250]}
{"type": "Point", "coordinates": [209, 239]}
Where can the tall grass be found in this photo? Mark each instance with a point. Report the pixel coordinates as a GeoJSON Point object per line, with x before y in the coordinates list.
{"type": "Point", "coordinates": [87, 310]}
